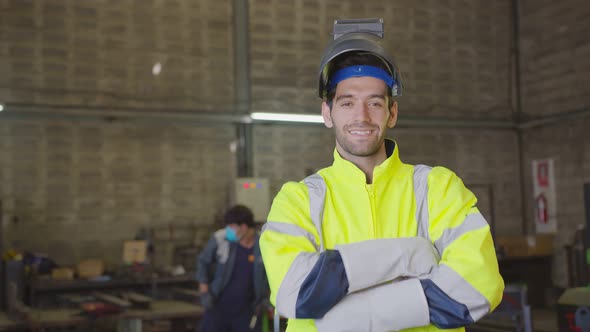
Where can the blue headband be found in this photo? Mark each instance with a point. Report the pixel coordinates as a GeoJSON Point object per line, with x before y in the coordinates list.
{"type": "Point", "coordinates": [359, 71]}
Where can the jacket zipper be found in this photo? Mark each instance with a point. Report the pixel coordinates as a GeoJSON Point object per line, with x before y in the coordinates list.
{"type": "Point", "coordinates": [371, 193]}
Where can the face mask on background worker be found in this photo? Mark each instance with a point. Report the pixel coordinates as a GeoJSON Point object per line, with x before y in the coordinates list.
{"type": "Point", "coordinates": [231, 235]}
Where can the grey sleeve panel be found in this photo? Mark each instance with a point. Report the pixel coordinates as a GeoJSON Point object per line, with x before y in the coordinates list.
{"type": "Point", "coordinates": [316, 187]}
{"type": "Point", "coordinates": [461, 291]}
{"type": "Point", "coordinates": [290, 229]}
{"type": "Point", "coordinates": [289, 290]}
{"type": "Point", "coordinates": [472, 222]}
{"type": "Point", "coordinates": [421, 196]}
{"type": "Point", "coordinates": [389, 307]}
{"type": "Point", "coordinates": [372, 262]}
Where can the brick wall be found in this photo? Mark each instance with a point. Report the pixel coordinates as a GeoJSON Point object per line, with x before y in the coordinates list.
{"type": "Point", "coordinates": [555, 49]}
{"type": "Point", "coordinates": [102, 53]}
{"type": "Point", "coordinates": [80, 188]}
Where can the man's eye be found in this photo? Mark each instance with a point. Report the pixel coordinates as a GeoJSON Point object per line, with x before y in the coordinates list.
{"type": "Point", "coordinates": [346, 104]}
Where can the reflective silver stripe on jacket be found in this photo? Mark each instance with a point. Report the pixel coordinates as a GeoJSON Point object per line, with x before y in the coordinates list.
{"type": "Point", "coordinates": [472, 222]}
{"type": "Point", "coordinates": [316, 187]}
{"type": "Point", "coordinates": [289, 289]}
{"type": "Point", "coordinates": [304, 262]}
{"type": "Point", "coordinates": [291, 284]}
{"type": "Point", "coordinates": [449, 281]}
{"type": "Point", "coordinates": [421, 196]}
{"type": "Point", "coordinates": [455, 286]}
{"type": "Point", "coordinates": [290, 229]}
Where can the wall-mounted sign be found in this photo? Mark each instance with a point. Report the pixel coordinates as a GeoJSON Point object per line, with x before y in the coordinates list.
{"type": "Point", "coordinates": [545, 205]}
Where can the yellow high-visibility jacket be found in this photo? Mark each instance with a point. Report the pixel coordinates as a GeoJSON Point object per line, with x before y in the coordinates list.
{"type": "Point", "coordinates": [408, 252]}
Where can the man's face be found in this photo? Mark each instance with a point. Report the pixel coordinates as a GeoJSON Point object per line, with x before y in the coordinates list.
{"type": "Point", "coordinates": [360, 115]}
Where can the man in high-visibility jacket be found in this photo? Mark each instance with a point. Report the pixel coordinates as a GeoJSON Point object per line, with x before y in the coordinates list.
{"type": "Point", "coordinates": [371, 243]}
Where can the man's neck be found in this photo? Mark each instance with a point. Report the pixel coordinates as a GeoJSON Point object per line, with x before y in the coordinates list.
{"type": "Point", "coordinates": [367, 163]}
{"type": "Point", "coordinates": [247, 241]}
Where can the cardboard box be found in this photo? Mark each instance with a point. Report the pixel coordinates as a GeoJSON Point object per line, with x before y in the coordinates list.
{"type": "Point", "coordinates": [90, 268]}
{"type": "Point", "coordinates": [134, 252]}
{"type": "Point", "coordinates": [62, 273]}
{"type": "Point", "coordinates": [525, 246]}
{"type": "Point", "coordinates": [573, 310]}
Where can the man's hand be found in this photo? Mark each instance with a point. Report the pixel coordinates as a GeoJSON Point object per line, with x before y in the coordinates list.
{"type": "Point", "coordinates": [203, 288]}
{"type": "Point", "coordinates": [206, 299]}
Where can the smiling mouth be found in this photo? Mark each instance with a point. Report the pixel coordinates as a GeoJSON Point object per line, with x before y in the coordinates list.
{"type": "Point", "coordinates": [360, 132]}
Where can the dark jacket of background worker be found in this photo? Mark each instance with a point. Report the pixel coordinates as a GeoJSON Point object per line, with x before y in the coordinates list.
{"type": "Point", "coordinates": [231, 275]}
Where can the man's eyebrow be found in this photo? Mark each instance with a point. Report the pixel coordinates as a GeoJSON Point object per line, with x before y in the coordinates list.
{"type": "Point", "coordinates": [350, 96]}
{"type": "Point", "coordinates": [343, 97]}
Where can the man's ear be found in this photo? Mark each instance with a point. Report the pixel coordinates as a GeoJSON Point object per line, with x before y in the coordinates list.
{"type": "Point", "coordinates": [392, 115]}
{"type": "Point", "coordinates": [326, 114]}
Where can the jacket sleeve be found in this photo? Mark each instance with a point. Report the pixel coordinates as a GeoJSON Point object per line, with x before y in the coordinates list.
{"type": "Point", "coordinates": [307, 283]}
{"type": "Point", "coordinates": [467, 284]}
{"type": "Point", "coordinates": [392, 306]}
{"type": "Point", "coordinates": [204, 261]}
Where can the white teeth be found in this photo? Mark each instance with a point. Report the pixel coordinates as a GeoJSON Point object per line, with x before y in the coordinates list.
{"type": "Point", "coordinates": [360, 132]}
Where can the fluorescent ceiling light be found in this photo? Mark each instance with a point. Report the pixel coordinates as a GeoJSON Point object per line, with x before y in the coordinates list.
{"type": "Point", "coordinates": [263, 116]}
{"type": "Point", "coordinates": [1, 107]}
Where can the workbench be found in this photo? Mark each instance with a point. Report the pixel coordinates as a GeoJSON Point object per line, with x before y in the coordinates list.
{"type": "Point", "coordinates": [40, 288]}
{"type": "Point", "coordinates": [42, 319]}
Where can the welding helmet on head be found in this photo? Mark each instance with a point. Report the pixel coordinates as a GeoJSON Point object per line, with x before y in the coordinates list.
{"type": "Point", "coordinates": [364, 35]}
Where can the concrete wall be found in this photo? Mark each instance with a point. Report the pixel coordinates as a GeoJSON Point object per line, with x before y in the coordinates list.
{"type": "Point", "coordinates": [555, 50]}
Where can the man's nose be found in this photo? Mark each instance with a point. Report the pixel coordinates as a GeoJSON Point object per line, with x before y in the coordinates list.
{"type": "Point", "coordinates": [361, 113]}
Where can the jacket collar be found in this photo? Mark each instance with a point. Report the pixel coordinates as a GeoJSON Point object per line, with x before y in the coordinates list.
{"type": "Point", "coordinates": [387, 169]}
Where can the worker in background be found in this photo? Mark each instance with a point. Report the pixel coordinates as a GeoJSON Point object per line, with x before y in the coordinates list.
{"type": "Point", "coordinates": [231, 276]}
{"type": "Point", "coordinates": [371, 243]}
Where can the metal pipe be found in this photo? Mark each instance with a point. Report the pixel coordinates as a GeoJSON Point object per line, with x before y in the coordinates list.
{"type": "Point", "coordinates": [413, 122]}
{"type": "Point", "coordinates": [517, 113]}
{"type": "Point", "coordinates": [242, 85]}
{"type": "Point", "coordinates": [76, 112]}
{"type": "Point", "coordinates": [13, 110]}
{"type": "Point", "coordinates": [241, 55]}
{"type": "Point", "coordinates": [554, 118]}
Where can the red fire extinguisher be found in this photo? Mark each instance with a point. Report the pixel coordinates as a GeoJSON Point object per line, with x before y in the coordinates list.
{"type": "Point", "coordinates": [541, 209]}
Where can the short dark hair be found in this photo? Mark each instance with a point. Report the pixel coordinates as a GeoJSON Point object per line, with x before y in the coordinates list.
{"type": "Point", "coordinates": [239, 214]}
{"type": "Point", "coordinates": [355, 58]}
